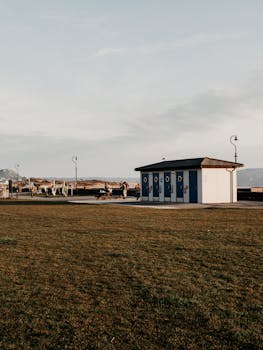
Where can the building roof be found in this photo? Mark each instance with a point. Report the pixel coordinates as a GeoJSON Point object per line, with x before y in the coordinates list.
{"type": "Point", "coordinates": [194, 163]}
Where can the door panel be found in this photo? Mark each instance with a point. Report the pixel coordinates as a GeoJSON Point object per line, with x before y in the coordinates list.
{"type": "Point", "coordinates": [145, 185]}
{"type": "Point", "coordinates": [167, 184]}
{"type": "Point", "coordinates": [155, 184]}
{"type": "Point", "coordinates": [193, 186]}
{"type": "Point", "coordinates": [179, 184]}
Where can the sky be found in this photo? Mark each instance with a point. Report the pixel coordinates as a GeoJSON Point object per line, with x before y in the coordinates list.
{"type": "Point", "coordinates": [123, 83]}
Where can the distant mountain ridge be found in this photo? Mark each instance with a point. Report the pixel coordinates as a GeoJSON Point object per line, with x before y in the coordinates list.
{"type": "Point", "coordinates": [245, 178]}
{"type": "Point", "coordinates": [250, 177]}
{"type": "Point", "coordinates": [8, 174]}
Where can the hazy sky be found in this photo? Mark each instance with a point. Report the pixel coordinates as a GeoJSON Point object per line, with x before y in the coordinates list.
{"type": "Point", "coordinates": [123, 83]}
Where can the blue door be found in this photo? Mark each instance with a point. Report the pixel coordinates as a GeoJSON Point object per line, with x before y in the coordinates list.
{"type": "Point", "coordinates": [179, 184]}
{"type": "Point", "coordinates": [167, 184]}
{"type": "Point", "coordinates": [156, 184]}
{"type": "Point", "coordinates": [145, 185]}
{"type": "Point", "coordinates": [193, 186]}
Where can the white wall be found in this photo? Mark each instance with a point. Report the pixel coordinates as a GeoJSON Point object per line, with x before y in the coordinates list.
{"type": "Point", "coordinates": [161, 186]}
{"type": "Point", "coordinates": [173, 186]}
{"type": "Point", "coordinates": [234, 186]}
{"type": "Point", "coordinates": [199, 186]}
{"type": "Point", "coordinates": [186, 186]}
{"type": "Point", "coordinates": [151, 187]}
{"type": "Point", "coordinates": [218, 186]}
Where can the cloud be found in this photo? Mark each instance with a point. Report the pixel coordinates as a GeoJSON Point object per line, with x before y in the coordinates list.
{"type": "Point", "coordinates": [111, 51]}
{"type": "Point", "coordinates": [54, 17]}
{"type": "Point", "coordinates": [210, 110]}
{"type": "Point", "coordinates": [183, 43]}
{"type": "Point", "coordinates": [43, 155]}
{"type": "Point", "coordinates": [191, 127]}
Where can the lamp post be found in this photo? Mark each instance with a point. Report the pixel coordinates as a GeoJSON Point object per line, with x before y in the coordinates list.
{"type": "Point", "coordinates": [75, 161]}
{"type": "Point", "coordinates": [233, 139]}
{"type": "Point", "coordinates": [17, 166]}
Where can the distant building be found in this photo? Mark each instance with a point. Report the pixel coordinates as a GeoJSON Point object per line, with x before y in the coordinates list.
{"type": "Point", "coordinates": [4, 190]}
{"type": "Point", "coordinates": [197, 180]}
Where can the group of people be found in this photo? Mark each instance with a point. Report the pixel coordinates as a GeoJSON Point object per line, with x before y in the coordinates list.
{"type": "Point", "coordinates": [124, 189]}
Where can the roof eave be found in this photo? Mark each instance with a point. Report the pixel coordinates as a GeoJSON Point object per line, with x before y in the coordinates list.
{"type": "Point", "coordinates": [233, 165]}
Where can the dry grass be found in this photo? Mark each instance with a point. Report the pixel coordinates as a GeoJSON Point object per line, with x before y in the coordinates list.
{"type": "Point", "coordinates": [102, 277]}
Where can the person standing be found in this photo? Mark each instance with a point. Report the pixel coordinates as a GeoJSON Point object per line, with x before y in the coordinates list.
{"type": "Point", "coordinates": [108, 189]}
{"type": "Point", "coordinates": [138, 191]}
{"type": "Point", "coordinates": [124, 188]}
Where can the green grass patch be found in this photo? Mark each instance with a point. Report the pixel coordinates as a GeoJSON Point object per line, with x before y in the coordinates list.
{"type": "Point", "coordinates": [7, 240]}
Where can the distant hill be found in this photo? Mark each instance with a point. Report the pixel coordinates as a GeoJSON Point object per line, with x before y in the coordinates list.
{"type": "Point", "coordinates": [98, 178]}
{"type": "Point", "coordinates": [250, 177]}
{"type": "Point", "coordinates": [8, 174]}
{"type": "Point", "coordinates": [119, 179]}
{"type": "Point", "coordinates": [245, 178]}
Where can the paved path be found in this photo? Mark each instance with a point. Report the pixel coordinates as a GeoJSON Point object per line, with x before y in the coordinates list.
{"type": "Point", "coordinates": [130, 201]}
{"type": "Point", "coordinates": [154, 205]}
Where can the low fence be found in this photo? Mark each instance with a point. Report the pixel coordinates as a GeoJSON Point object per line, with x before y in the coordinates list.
{"type": "Point", "coordinates": [93, 192]}
{"type": "Point", "coordinates": [249, 194]}
{"type": "Point", "coordinates": [131, 192]}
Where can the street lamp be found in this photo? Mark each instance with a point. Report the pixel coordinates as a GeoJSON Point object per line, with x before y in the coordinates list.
{"type": "Point", "coordinates": [17, 166]}
{"type": "Point", "coordinates": [75, 161]}
{"type": "Point", "coordinates": [233, 139]}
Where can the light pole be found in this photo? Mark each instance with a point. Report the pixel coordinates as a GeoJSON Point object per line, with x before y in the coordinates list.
{"type": "Point", "coordinates": [75, 161]}
{"type": "Point", "coordinates": [17, 166]}
{"type": "Point", "coordinates": [233, 139]}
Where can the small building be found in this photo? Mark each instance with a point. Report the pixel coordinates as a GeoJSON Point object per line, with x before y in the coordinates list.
{"type": "Point", "coordinates": [197, 180]}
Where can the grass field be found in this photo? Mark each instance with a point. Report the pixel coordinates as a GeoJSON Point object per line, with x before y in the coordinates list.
{"type": "Point", "coordinates": [112, 277]}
